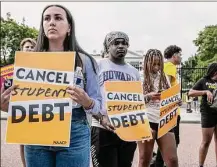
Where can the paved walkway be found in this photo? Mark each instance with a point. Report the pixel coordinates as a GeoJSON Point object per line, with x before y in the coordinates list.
{"type": "Point", "coordinates": [190, 135]}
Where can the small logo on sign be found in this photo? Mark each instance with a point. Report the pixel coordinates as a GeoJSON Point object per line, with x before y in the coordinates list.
{"type": "Point", "coordinates": [59, 142]}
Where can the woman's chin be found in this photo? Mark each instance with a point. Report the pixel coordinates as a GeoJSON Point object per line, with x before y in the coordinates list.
{"type": "Point", "coordinates": [52, 37]}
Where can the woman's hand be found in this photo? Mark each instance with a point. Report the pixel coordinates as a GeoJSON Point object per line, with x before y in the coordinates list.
{"type": "Point", "coordinates": [79, 96]}
{"type": "Point", "coordinates": [5, 97]}
{"type": "Point", "coordinates": [154, 95]}
{"type": "Point", "coordinates": [209, 96]}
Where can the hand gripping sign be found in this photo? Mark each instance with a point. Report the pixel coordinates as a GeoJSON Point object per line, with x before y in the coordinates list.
{"type": "Point", "coordinates": [168, 109]}
{"type": "Point", "coordinates": [126, 110]}
{"type": "Point", "coordinates": [40, 109]}
{"type": "Point", "coordinates": [6, 73]}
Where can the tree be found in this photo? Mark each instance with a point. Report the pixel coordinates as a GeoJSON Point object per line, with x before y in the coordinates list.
{"type": "Point", "coordinates": [207, 45]}
{"type": "Point", "coordinates": [207, 48]}
{"type": "Point", "coordinates": [12, 33]}
{"type": "Point", "coordinates": [206, 54]}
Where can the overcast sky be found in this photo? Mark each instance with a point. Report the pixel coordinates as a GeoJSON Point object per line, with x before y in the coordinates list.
{"type": "Point", "coordinates": [148, 24]}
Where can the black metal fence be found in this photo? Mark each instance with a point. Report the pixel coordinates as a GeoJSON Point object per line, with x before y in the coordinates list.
{"type": "Point", "coordinates": [189, 76]}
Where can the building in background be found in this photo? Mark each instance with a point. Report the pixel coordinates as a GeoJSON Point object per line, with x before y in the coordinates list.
{"type": "Point", "coordinates": [133, 58]}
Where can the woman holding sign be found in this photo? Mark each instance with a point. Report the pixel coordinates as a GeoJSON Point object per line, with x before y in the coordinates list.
{"type": "Point", "coordinates": [57, 34]}
{"type": "Point", "coordinates": [207, 87]}
{"type": "Point", "coordinates": [154, 82]}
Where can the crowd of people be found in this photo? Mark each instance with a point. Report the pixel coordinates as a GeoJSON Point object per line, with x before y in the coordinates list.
{"type": "Point", "coordinates": [57, 33]}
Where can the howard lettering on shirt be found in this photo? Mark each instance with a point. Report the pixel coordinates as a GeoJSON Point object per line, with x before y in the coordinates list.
{"type": "Point", "coordinates": [115, 75]}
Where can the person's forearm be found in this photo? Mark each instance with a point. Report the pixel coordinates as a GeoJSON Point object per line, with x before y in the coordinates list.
{"type": "Point", "coordinates": [195, 93]}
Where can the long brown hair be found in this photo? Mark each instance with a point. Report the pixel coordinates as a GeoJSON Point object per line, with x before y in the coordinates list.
{"type": "Point", "coordinates": [70, 42]}
{"type": "Point", "coordinates": [148, 64]}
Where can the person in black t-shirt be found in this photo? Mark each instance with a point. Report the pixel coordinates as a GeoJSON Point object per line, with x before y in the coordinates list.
{"type": "Point", "coordinates": [205, 87]}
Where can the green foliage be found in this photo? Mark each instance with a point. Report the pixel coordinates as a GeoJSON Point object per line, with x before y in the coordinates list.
{"type": "Point", "coordinates": [206, 54]}
{"type": "Point", "coordinates": [207, 48]}
{"type": "Point", "coordinates": [207, 45]}
{"type": "Point", "coordinates": [12, 33]}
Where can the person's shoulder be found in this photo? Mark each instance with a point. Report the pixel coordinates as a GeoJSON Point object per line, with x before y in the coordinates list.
{"type": "Point", "coordinates": [170, 69]}
{"type": "Point", "coordinates": [84, 56]}
{"type": "Point", "coordinates": [203, 80]}
{"type": "Point", "coordinates": [88, 60]}
{"type": "Point", "coordinates": [169, 65]}
{"type": "Point", "coordinates": [132, 68]}
{"type": "Point", "coordinates": [101, 61]}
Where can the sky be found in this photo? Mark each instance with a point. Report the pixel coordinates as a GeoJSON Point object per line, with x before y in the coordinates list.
{"type": "Point", "coordinates": [148, 24]}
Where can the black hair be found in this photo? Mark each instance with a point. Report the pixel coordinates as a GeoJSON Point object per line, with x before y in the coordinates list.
{"type": "Point", "coordinates": [171, 50]}
{"type": "Point", "coordinates": [211, 71]}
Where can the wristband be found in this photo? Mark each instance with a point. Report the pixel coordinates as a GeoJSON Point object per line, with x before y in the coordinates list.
{"type": "Point", "coordinates": [91, 105]}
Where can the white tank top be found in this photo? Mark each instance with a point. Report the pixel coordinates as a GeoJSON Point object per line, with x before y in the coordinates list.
{"type": "Point", "coordinates": [153, 107]}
